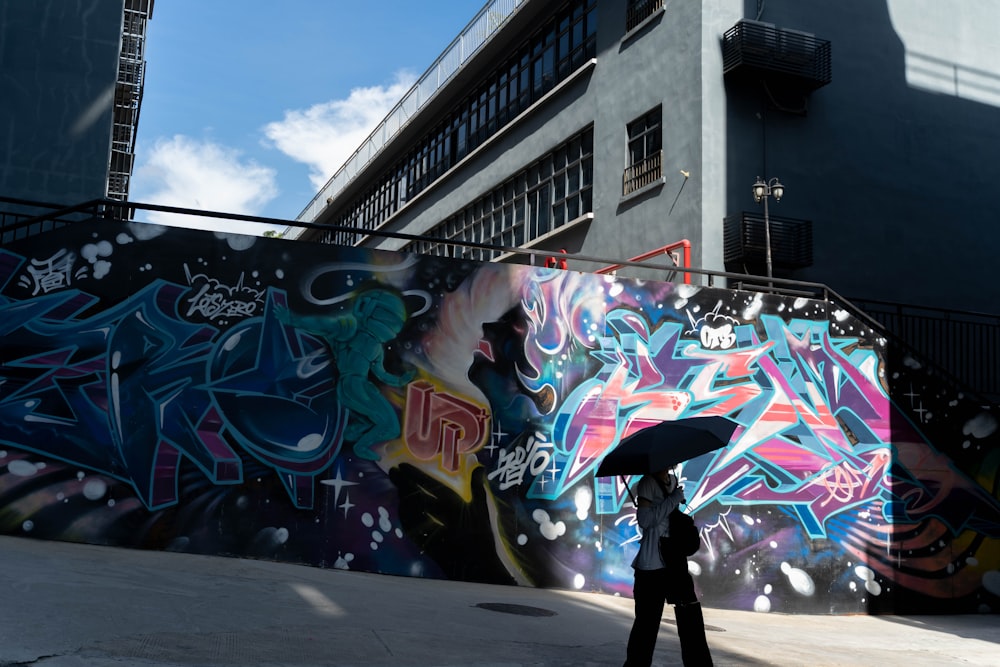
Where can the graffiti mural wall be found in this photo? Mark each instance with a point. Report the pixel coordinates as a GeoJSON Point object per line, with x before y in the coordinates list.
{"type": "Point", "coordinates": [174, 389]}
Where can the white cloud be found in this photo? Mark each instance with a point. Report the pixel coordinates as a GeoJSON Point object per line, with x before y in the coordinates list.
{"type": "Point", "coordinates": [325, 135]}
{"type": "Point", "coordinates": [188, 173]}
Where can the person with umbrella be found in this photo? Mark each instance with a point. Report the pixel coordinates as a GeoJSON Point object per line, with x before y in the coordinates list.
{"type": "Point", "coordinates": [662, 577]}
{"type": "Point", "coordinates": [661, 574]}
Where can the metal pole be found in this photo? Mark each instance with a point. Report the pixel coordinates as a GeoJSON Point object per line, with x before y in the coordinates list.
{"type": "Point", "coordinates": [767, 230]}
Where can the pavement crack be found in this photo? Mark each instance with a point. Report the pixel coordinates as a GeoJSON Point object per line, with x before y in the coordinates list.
{"type": "Point", "coordinates": [29, 662]}
{"type": "Point", "coordinates": [382, 642]}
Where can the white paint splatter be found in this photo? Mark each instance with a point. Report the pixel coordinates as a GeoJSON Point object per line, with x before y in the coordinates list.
{"type": "Point", "coordinates": [144, 231]}
{"type": "Point", "coordinates": [237, 241]}
{"type": "Point", "coordinates": [94, 489]}
{"type": "Point", "coordinates": [383, 520]}
{"type": "Point", "coordinates": [21, 468]}
{"type": "Point", "coordinates": [549, 530]}
{"type": "Point", "coordinates": [584, 496]}
{"type": "Point", "coordinates": [982, 425]}
{"type": "Point", "coordinates": [101, 268]}
{"type": "Point", "coordinates": [578, 581]}
{"type": "Point", "coordinates": [753, 309]}
{"type": "Point", "coordinates": [686, 291]}
{"type": "Point", "coordinates": [799, 579]}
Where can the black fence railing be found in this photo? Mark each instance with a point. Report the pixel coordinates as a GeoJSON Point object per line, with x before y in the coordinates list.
{"type": "Point", "coordinates": [745, 241]}
{"type": "Point", "coordinates": [20, 218]}
{"type": "Point", "coordinates": [965, 344]}
{"type": "Point", "coordinates": [640, 10]}
{"type": "Point", "coordinates": [964, 350]}
{"type": "Point", "coordinates": [641, 174]}
{"type": "Point", "coordinates": [762, 50]}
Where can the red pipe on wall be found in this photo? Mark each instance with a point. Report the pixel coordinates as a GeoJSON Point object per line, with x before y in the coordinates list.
{"type": "Point", "coordinates": [683, 245]}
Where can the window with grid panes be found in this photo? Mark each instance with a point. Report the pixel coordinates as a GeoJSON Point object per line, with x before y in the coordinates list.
{"type": "Point", "coordinates": [562, 44]}
{"type": "Point", "coordinates": [645, 150]}
{"type": "Point", "coordinates": [548, 194]}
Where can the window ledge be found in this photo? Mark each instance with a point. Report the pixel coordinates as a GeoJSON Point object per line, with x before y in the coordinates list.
{"type": "Point", "coordinates": [575, 222]}
{"type": "Point", "coordinates": [645, 22]}
{"type": "Point", "coordinates": [658, 183]}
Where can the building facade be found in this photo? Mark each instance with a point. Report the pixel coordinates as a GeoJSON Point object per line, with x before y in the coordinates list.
{"type": "Point", "coordinates": [71, 80]}
{"type": "Point", "coordinates": [612, 128]}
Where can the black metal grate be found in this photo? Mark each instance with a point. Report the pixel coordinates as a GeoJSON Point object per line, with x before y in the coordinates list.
{"type": "Point", "coordinates": [745, 241]}
{"type": "Point", "coordinates": [760, 50]}
{"type": "Point", "coordinates": [964, 344]}
{"type": "Point", "coordinates": [640, 10]}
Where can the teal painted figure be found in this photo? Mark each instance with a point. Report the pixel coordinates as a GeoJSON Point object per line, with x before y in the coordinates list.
{"type": "Point", "coordinates": [356, 340]}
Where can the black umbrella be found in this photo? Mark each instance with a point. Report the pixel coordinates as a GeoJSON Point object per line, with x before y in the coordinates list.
{"type": "Point", "coordinates": [666, 444]}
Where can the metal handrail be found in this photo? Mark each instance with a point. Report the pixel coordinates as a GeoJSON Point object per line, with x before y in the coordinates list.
{"type": "Point", "coordinates": [964, 343]}
{"type": "Point", "coordinates": [108, 208]}
{"type": "Point", "coordinates": [683, 245]}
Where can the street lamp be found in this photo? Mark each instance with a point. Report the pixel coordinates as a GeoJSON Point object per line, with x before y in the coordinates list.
{"type": "Point", "coordinates": [762, 190]}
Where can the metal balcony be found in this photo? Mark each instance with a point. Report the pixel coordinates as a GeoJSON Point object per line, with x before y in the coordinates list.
{"type": "Point", "coordinates": [789, 58]}
{"type": "Point", "coordinates": [745, 244]}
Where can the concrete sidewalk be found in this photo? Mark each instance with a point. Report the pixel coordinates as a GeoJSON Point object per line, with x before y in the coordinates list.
{"type": "Point", "coordinates": [67, 605]}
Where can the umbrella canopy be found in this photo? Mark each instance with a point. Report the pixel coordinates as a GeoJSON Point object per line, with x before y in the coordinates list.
{"type": "Point", "coordinates": [666, 444]}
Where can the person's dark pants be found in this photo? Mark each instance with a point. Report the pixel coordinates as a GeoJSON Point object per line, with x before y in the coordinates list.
{"type": "Point", "coordinates": [652, 589]}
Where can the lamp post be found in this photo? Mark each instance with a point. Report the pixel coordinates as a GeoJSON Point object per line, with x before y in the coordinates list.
{"type": "Point", "coordinates": [762, 190]}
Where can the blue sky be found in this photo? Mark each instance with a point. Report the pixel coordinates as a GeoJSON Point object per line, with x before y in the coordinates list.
{"type": "Point", "coordinates": [250, 106]}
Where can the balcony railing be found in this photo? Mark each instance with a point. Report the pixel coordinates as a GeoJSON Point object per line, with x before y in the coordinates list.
{"type": "Point", "coordinates": [758, 50]}
{"type": "Point", "coordinates": [644, 173]}
{"type": "Point", "coordinates": [964, 344]}
{"type": "Point", "coordinates": [745, 243]}
{"type": "Point", "coordinates": [640, 10]}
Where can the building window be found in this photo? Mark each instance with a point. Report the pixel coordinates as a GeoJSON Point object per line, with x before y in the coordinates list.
{"type": "Point", "coordinates": [645, 151]}
{"type": "Point", "coordinates": [548, 194]}
{"type": "Point", "coordinates": [640, 10]}
{"type": "Point", "coordinates": [562, 44]}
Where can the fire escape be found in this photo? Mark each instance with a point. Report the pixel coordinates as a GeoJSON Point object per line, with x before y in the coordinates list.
{"type": "Point", "coordinates": [787, 66]}
{"type": "Point", "coordinates": [128, 96]}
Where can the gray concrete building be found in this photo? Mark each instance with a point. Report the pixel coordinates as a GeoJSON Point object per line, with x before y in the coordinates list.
{"type": "Point", "coordinates": [612, 128]}
{"type": "Point", "coordinates": [71, 81]}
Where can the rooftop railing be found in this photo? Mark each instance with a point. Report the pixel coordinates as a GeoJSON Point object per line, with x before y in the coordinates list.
{"type": "Point", "coordinates": [472, 38]}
